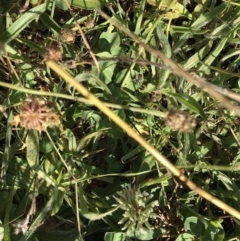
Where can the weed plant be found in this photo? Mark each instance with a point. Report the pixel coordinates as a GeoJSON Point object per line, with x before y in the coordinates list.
{"type": "Point", "coordinates": [68, 172]}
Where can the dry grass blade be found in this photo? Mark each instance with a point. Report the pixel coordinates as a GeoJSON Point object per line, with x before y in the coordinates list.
{"type": "Point", "coordinates": [81, 89]}
{"type": "Point", "coordinates": [84, 38]}
{"type": "Point", "coordinates": [174, 68]}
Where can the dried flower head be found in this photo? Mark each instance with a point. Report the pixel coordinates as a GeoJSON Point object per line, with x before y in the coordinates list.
{"type": "Point", "coordinates": [53, 52]}
{"type": "Point", "coordinates": [35, 114]}
{"type": "Point", "coordinates": [180, 121]}
{"type": "Point", "coordinates": [156, 96]}
{"type": "Point", "coordinates": [89, 23]}
{"type": "Point", "coordinates": [22, 225]}
{"type": "Point", "coordinates": [68, 36]}
{"type": "Point", "coordinates": [138, 209]}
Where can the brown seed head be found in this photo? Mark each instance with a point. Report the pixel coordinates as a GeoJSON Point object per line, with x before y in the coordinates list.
{"type": "Point", "coordinates": [180, 121]}
{"type": "Point", "coordinates": [89, 23]}
{"type": "Point", "coordinates": [68, 36]}
{"type": "Point", "coordinates": [35, 114]}
{"type": "Point", "coordinates": [53, 52]}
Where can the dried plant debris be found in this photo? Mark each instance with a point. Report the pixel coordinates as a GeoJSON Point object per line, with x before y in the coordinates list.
{"type": "Point", "coordinates": [36, 114]}
{"type": "Point", "coordinates": [180, 121]}
{"type": "Point", "coordinates": [53, 52]}
{"type": "Point", "coordinates": [22, 225]}
{"type": "Point", "coordinates": [68, 36]}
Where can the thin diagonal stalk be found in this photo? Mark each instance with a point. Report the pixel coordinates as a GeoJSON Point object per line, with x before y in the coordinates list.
{"type": "Point", "coordinates": [174, 68]}
{"type": "Point", "coordinates": [81, 89]}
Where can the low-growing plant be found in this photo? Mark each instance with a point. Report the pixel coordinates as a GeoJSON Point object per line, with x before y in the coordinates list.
{"type": "Point", "coordinates": [68, 171]}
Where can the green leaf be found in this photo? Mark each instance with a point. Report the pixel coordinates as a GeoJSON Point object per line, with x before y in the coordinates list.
{"type": "Point", "coordinates": [50, 23]}
{"type": "Point", "coordinates": [93, 80]}
{"type": "Point", "coordinates": [196, 58]}
{"type": "Point", "coordinates": [147, 234]}
{"type": "Point", "coordinates": [21, 23]}
{"type": "Point", "coordinates": [214, 232]}
{"type": "Point", "coordinates": [127, 79]}
{"type": "Point", "coordinates": [194, 226]}
{"type": "Point", "coordinates": [212, 55]}
{"type": "Point", "coordinates": [28, 75]}
{"type": "Point", "coordinates": [191, 103]}
{"type": "Point", "coordinates": [7, 149]}
{"type": "Point", "coordinates": [206, 18]}
{"type": "Point", "coordinates": [110, 236]}
{"type": "Point", "coordinates": [62, 5]}
{"type": "Point", "coordinates": [9, 206]}
{"type": "Point", "coordinates": [91, 215]}
{"type": "Point", "coordinates": [185, 237]}
{"type": "Point", "coordinates": [90, 4]}
{"type": "Point", "coordinates": [46, 146]}
{"type": "Point", "coordinates": [107, 72]}
{"type": "Point", "coordinates": [32, 144]}
{"type": "Point", "coordinates": [108, 41]}
{"type": "Point", "coordinates": [58, 203]}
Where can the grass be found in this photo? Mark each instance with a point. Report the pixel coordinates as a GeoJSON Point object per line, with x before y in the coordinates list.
{"type": "Point", "coordinates": [73, 169]}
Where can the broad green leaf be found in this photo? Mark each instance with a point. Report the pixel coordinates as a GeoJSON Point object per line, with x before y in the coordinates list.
{"type": "Point", "coordinates": [10, 50]}
{"type": "Point", "coordinates": [194, 226]}
{"type": "Point", "coordinates": [110, 236]}
{"type": "Point", "coordinates": [62, 5]}
{"type": "Point", "coordinates": [191, 103]}
{"type": "Point", "coordinates": [185, 237]}
{"type": "Point", "coordinates": [204, 149]}
{"type": "Point", "coordinates": [174, 8]}
{"type": "Point", "coordinates": [84, 208]}
{"type": "Point", "coordinates": [108, 41]}
{"type": "Point", "coordinates": [107, 72]}
{"type": "Point", "coordinates": [27, 75]}
{"type": "Point", "coordinates": [90, 4]}
{"type": "Point", "coordinates": [147, 234]}
{"type": "Point", "coordinates": [93, 80]}
{"type": "Point", "coordinates": [128, 79]}
{"type": "Point", "coordinates": [32, 144]}
{"type": "Point", "coordinates": [46, 146]}
{"type": "Point", "coordinates": [214, 232]}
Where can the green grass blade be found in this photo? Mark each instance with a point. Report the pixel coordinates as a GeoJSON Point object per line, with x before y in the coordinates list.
{"type": "Point", "coordinates": [209, 16]}
{"type": "Point", "coordinates": [6, 154]}
{"type": "Point", "coordinates": [32, 144]}
{"type": "Point", "coordinates": [7, 214]}
{"type": "Point", "coordinates": [21, 23]}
